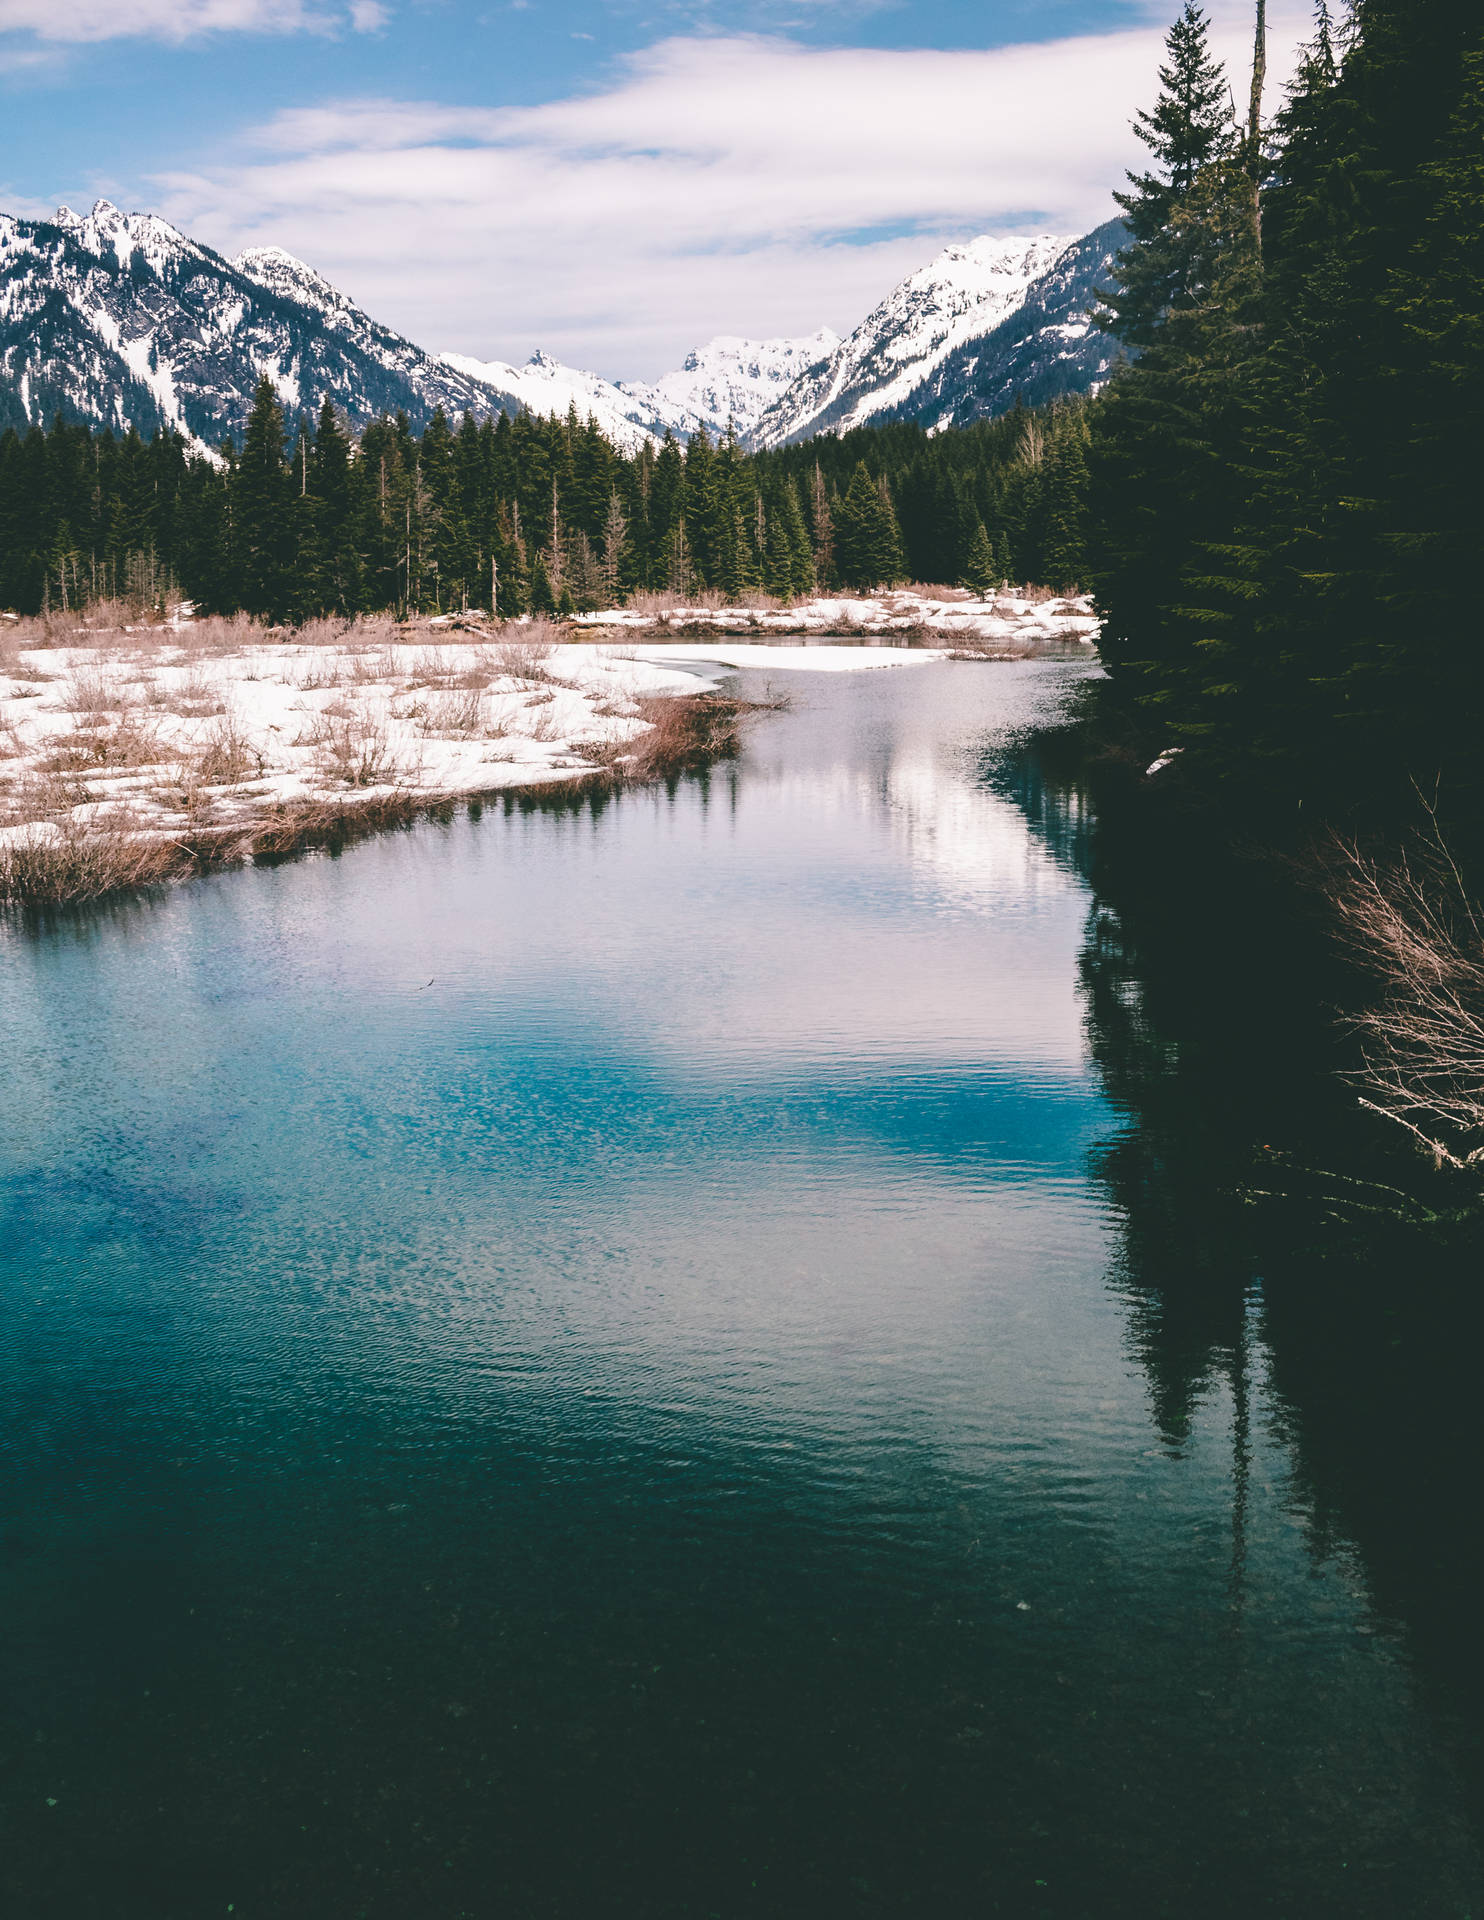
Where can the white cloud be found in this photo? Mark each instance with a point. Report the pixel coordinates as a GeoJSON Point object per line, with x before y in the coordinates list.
{"type": "Point", "coordinates": [81, 20]}
{"type": "Point", "coordinates": [716, 185]}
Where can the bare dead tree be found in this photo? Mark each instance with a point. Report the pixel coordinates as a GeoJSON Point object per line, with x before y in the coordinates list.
{"type": "Point", "coordinates": [1414, 926]}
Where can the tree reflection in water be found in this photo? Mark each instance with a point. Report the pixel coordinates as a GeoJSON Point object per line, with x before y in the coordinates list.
{"type": "Point", "coordinates": [1271, 1232]}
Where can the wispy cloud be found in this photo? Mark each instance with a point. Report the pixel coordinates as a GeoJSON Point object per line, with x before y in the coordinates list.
{"type": "Point", "coordinates": [737, 184]}
{"type": "Point", "coordinates": [84, 20]}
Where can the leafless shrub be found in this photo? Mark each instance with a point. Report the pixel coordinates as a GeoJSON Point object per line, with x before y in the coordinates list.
{"type": "Point", "coordinates": [546, 725]}
{"type": "Point", "coordinates": [663, 600]}
{"type": "Point", "coordinates": [430, 667]}
{"type": "Point", "coordinates": [371, 630]}
{"type": "Point", "coordinates": [194, 695]}
{"type": "Point", "coordinates": [352, 747]}
{"type": "Point", "coordinates": [446, 713]}
{"type": "Point", "coordinates": [222, 633]}
{"type": "Point", "coordinates": [321, 633]}
{"type": "Point", "coordinates": [481, 668]}
{"type": "Point", "coordinates": [930, 590]}
{"type": "Point", "coordinates": [523, 659]}
{"type": "Point", "coordinates": [500, 717]}
{"type": "Point", "coordinates": [108, 619]}
{"type": "Point", "coordinates": [41, 794]}
{"type": "Point", "coordinates": [317, 675]}
{"type": "Point", "coordinates": [537, 631]}
{"type": "Point", "coordinates": [36, 630]}
{"type": "Point", "coordinates": [129, 742]}
{"type": "Point", "coordinates": [92, 692]}
{"type": "Point", "coordinates": [681, 731]}
{"type": "Point", "coordinates": [1415, 928]}
{"type": "Point", "coordinates": [226, 756]}
{"type": "Point", "coordinates": [371, 665]}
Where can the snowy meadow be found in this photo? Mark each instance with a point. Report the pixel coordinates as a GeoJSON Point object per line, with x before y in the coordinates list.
{"type": "Point", "coordinates": [131, 752]}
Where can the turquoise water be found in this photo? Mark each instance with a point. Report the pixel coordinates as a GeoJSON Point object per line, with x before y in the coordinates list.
{"type": "Point", "coordinates": [598, 1361]}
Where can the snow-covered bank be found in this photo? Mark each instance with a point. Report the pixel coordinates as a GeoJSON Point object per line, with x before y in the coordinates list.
{"type": "Point", "coordinates": [212, 736]}
{"type": "Point", "coordinates": [957, 620]}
{"type": "Point", "coordinates": [159, 736]}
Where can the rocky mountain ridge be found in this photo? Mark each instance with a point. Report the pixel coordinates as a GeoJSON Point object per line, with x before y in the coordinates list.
{"type": "Point", "coordinates": [123, 321]}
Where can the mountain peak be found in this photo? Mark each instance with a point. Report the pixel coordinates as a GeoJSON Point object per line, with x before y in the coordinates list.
{"type": "Point", "coordinates": [284, 273]}
{"type": "Point", "coordinates": [273, 257]}
{"type": "Point", "coordinates": [154, 330]}
{"type": "Point", "coordinates": [964, 292]}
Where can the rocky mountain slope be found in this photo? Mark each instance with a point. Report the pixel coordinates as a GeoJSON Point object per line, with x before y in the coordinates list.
{"type": "Point", "coordinates": [962, 295]}
{"type": "Point", "coordinates": [121, 320]}
{"type": "Point", "coordinates": [732, 381]}
{"type": "Point", "coordinates": [545, 385]}
{"type": "Point", "coordinates": [1047, 347]}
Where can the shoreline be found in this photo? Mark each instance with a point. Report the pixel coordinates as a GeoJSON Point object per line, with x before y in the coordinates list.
{"type": "Point", "coordinates": [149, 754]}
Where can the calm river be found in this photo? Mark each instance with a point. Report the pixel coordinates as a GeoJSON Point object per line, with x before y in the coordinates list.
{"type": "Point", "coordinates": [689, 1357]}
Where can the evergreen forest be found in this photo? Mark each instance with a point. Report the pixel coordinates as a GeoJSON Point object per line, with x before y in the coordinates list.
{"type": "Point", "coordinates": [1284, 509]}
{"type": "Point", "coordinates": [526, 514]}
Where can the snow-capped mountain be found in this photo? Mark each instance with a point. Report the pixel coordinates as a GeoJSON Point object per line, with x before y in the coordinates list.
{"type": "Point", "coordinates": [1047, 347]}
{"type": "Point", "coordinates": [545, 385]}
{"type": "Point", "coordinates": [731, 382]}
{"type": "Point", "coordinates": [727, 382]}
{"type": "Point", "coordinates": [963, 294]}
{"type": "Point", "coordinates": [121, 320]}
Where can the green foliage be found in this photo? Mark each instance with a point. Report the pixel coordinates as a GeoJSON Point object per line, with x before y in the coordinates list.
{"type": "Point", "coordinates": [980, 569]}
{"type": "Point", "coordinates": [868, 542]}
{"type": "Point", "coordinates": [538, 514]}
{"type": "Point", "coordinates": [1285, 493]}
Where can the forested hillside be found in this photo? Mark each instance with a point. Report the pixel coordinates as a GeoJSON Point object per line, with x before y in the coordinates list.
{"type": "Point", "coordinates": [545, 514]}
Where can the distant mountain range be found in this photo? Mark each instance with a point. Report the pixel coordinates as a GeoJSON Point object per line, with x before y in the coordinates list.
{"type": "Point", "coordinates": [120, 320]}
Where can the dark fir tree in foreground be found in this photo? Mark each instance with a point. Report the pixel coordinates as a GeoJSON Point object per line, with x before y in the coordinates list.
{"type": "Point", "coordinates": [1286, 488]}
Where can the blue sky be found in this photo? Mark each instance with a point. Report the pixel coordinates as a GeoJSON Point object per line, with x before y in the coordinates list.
{"type": "Point", "coordinates": [614, 182]}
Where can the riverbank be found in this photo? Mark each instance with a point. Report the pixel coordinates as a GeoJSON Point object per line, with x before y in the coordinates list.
{"type": "Point", "coordinates": [144, 753]}
{"type": "Point", "coordinates": [1011, 623]}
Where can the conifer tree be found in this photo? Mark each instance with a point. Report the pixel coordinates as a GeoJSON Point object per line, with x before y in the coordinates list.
{"type": "Point", "coordinates": [260, 502]}
{"type": "Point", "coordinates": [679, 576]}
{"type": "Point", "coordinates": [868, 547]}
{"type": "Point", "coordinates": [1063, 557]}
{"type": "Point", "coordinates": [822, 529]}
{"type": "Point", "coordinates": [704, 520]}
{"type": "Point", "coordinates": [1188, 132]}
{"type": "Point", "coordinates": [980, 570]}
{"type": "Point", "coordinates": [778, 553]}
{"type": "Point", "coordinates": [542, 599]}
{"type": "Point", "coordinates": [619, 571]}
{"type": "Point", "coordinates": [666, 507]}
{"type": "Point", "coordinates": [330, 482]}
{"type": "Point", "coordinates": [801, 577]}
{"type": "Point", "coordinates": [1166, 447]}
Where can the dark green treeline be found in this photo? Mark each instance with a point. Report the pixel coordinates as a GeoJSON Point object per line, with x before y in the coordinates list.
{"type": "Point", "coordinates": [546, 515]}
{"type": "Point", "coordinates": [1286, 501]}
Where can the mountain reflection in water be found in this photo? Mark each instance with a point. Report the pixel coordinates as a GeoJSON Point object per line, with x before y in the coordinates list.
{"type": "Point", "coordinates": [720, 1353]}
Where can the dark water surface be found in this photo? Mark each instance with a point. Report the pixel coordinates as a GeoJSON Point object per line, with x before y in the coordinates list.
{"type": "Point", "coordinates": [687, 1359]}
